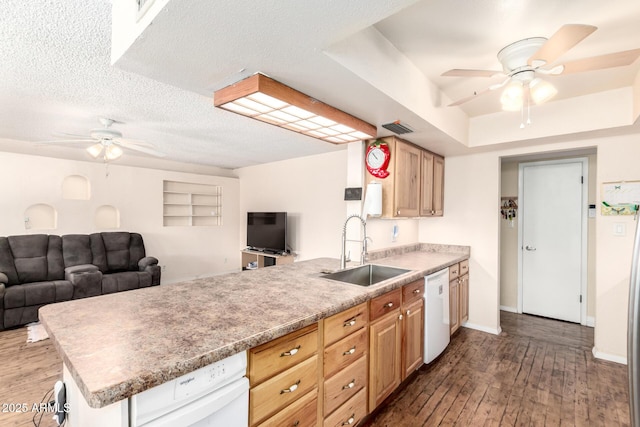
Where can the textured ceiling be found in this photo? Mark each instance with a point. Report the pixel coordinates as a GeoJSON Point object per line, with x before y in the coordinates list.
{"type": "Point", "coordinates": [57, 76]}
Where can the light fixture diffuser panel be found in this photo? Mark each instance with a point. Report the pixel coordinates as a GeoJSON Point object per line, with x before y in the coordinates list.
{"type": "Point", "coordinates": [267, 100]}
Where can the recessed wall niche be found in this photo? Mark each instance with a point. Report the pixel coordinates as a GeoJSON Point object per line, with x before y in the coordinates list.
{"type": "Point", "coordinates": [76, 187]}
{"type": "Point", "coordinates": [107, 217]}
{"type": "Point", "coordinates": [40, 217]}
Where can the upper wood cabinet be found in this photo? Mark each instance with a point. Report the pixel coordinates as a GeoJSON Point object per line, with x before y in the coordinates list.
{"type": "Point", "coordinates": [415, 185]}
{"type": "Point", "coordinates": [432, 180]}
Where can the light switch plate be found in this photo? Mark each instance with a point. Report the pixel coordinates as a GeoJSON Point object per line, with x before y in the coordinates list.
{"type": "Point", "coordinates": [619, 229]}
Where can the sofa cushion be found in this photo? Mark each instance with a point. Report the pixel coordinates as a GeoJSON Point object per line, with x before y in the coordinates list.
{"type": "Point", "coordinates": [37, 257]}
{"type": "Point", "coordinates": [37, 293]}
{"type": "Point", "coordinates": [124, 281]}
{"type": "Point", "coordinates": [6, 262]}
{"type": "Point", "coordinates": [76, 249]}
{"type": "Point", "coordinates": [117, 251]}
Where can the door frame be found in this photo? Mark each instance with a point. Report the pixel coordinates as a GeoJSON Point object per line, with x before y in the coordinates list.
{"type": "Point", "coordinates": [584, 215]}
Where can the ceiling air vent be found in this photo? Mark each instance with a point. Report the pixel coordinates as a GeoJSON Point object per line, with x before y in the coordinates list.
{"type": "Point", "coordinates": [397, 127]}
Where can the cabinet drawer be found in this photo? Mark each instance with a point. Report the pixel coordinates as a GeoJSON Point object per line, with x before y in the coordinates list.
{"type": "Point", "coordinates": [340, 387]}
{"type": "Point", "coordinates": [281, 390]}
{"type": "Point", "coordinates": [464, 267]}
{"type": "Point", "coordinates": [301, 413]}
{"type": "Point", "coordinates": [350, 413]}
{"type": "Point", "coordinates": [342, 324]}
{"type": "Point", "coordinates": [344, 352]}
{"type": "Point", "coordinates": [413, 291]}
{"type": "Point", "coordinates": [275, 356]}
{"type": "Point", "coordinates": [385, 304]}
{"type": "Point", "coordinates": [454, 271]}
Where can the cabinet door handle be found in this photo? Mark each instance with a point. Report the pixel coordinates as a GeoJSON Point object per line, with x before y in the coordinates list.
{"type": "Point", "coordinates": [401, 317]}
{"type": "Point", "coordinates": [350, 385]}
{"type": "Point", "coordinates": [296, 423]}
{"type": "Point", "coordinates": [416, 291]}
{"type": "Point", "coordinates": [408, 312]}
{"type": "Point", "coordinates": [350, 351]}
{"type": "Point", "coordinates": [388, 305]}
{"type": "Point", "coordinates": [530, 248]}
{"type": "Point", "coordinates": [291, 352]}
{"type": "Point", "coordinates": [349, 322]}
{"type": "Point", "coordinates": [398, 213]}
{"type": "Point", "coordinates": [291, 389]}
{"type": "Point", "coordinates": [350, 420]}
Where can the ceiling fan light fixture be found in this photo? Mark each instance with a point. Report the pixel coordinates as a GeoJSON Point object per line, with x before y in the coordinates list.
{"type": "Point", "coordinates": [512, 96]}
{"type": "Point", "coordinates": [112, 152]}
{"type": "Point", "coordinates": [541, 91]}
{"type": "Point", "coordinates": [262, 98]}
{"type": "Point", "coordinates": [95, 150]}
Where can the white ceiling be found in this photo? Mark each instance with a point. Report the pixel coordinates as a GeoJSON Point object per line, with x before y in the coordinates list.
{"type": "Point", "coordinates": [57, 76]}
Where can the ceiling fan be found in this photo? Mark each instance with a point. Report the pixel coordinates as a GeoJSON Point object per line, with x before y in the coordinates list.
{"type": "Point", "coordinates": [108, 142]}
{"type": "Point", "coordinates": [525, 60]}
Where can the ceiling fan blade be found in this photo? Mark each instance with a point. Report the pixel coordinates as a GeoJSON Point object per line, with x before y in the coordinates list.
{"type": "Point", "coordinates": [469, 98]}
{"type": "Point", "coordinates": [564, 39]}
{"type": "Point", "coordinates": [69, 136]}
{"type": "Point", "coordinates": [126, 144]}
{"type": "Point", "coordinates": [456, 72]}
{"type": "Point", "coordinates": [66, 141]}
{"type": "Point", "coordinates": [136, 142]}
{"type": "Point", "coordinates": [611, 60]}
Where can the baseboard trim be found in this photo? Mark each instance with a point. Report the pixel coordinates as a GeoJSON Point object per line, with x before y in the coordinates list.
{"type": "Point", "coordinates": [509, 309]}
{"type": "Point", "coordinates": [591, 321]}
{"type": "Point", "coordinates": [483, 328]}
{"type": "Point", "coordinates": [609, 357]}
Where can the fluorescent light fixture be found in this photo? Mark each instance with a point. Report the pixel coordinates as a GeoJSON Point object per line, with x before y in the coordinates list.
{"type": "Point", "coordinates": [262, 98]}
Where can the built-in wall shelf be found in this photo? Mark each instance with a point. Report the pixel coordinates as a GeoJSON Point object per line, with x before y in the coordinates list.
{"type": "Point", "coordinates": [191, 204]}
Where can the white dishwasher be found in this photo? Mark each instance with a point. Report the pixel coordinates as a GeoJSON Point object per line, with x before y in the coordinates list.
{"type": "Point", "coordinates": [436, 314]}
{"type": "Point", "coordinates": [216, 395]}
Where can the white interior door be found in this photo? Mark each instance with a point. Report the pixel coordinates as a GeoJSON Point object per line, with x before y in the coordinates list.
{"type": "Point", "coordinates": [552, 239]}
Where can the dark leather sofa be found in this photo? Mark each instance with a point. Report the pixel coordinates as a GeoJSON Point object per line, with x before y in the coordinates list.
{"type": "Point", "coordinates": [41, 269]}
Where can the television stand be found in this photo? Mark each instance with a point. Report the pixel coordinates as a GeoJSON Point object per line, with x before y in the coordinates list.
{"type": "Point", "coordinates": [263, 259]}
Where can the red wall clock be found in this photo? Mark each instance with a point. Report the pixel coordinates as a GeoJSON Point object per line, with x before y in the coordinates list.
{"type": "Point", "coordinates": [377, 158]}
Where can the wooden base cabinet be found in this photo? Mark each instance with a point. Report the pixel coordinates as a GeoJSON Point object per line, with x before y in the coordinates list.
{"type": "Point", "coordinates": [458, 295]}
{"type": "Point", "coordinates": [281, 372]}
{"type": "Point", "coordinates": [412, 337]}
{"type": "Point", "coordinates": [345, 375]}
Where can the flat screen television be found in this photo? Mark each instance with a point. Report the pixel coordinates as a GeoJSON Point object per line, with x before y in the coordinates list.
{"type": "Point", "coordinates": [267, 231]}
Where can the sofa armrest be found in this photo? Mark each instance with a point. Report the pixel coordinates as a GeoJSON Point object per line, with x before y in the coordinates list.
{"type": "Point", "coordinates": [147, 262]}
{"type": "Point", "coordinates": [86, 280]}
{"type": "Point", "coordinates": [3, 279]}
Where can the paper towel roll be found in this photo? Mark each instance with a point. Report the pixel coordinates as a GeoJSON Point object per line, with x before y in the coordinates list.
{"type": "Point", "coordinates": [373, 200]}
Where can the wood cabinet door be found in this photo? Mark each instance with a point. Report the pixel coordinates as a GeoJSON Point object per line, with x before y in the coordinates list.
{"type": "Point", "coordinates": [438, 185]}
{"type": "Point", "coordinates": [412, 337]}
{"type": "Point", "coordinates": [454, 308]}
{"type": "Point", "coordinates": [407, 184]}
{"type": "Point", "coordinates": [464, 298]}
{"type": "Point", "coordinates": [426, 194]}
{"type": "Point", "coordinates": [385, 348]}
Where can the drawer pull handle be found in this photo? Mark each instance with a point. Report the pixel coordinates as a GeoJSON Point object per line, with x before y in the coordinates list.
{"type": "Point", "coordinates": [350, 351]}
{"type": "Point", "coordinates": [350, 322]}
{"type": "Point", "coordinates": [388, 305]}
{"type": "Point", "coordinates": [416, 291]}
{"type": "Point", "coordinates": [291, 389]}
{"type": "Point", "coordinates": [350, 385]}
{"type": "Point", "coordinates": [297, 423]}
{"type": "Point", "coordinates": [291, 352]}
{"type": "Point", "coordinates": [350, 420]}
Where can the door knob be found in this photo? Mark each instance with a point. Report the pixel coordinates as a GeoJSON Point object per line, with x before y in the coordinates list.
{"type": "Point", "coordinates": [530, 248]}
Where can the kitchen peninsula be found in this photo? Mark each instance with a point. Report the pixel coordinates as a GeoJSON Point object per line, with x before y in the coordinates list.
{"type": "Point", "coordinates": [116, 346]}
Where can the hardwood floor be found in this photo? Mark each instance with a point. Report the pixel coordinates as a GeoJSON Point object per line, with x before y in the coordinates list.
{"type": "Point", "coordinates": [27, 372]}
{"type": "Point", "coordinates": [537, 372]}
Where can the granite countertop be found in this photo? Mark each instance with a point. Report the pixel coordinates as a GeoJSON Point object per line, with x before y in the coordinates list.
{"type": "Point", "coordinates": [121, 344]}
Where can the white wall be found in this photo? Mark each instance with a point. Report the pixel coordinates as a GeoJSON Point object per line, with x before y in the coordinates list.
{"type": "Point", "coordinates": [311, 191]}
{"type": "Point", "coordinates": [186, 252]}
{"type": "Point", "coordinates": [472, 197]}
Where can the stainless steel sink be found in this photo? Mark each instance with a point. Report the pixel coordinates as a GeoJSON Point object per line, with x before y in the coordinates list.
{"type": "Point", "coordinates": [366, 275]}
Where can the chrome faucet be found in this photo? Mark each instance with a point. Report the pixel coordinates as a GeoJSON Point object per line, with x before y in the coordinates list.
{"type": "Point", "coordinates": [364, 255]}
